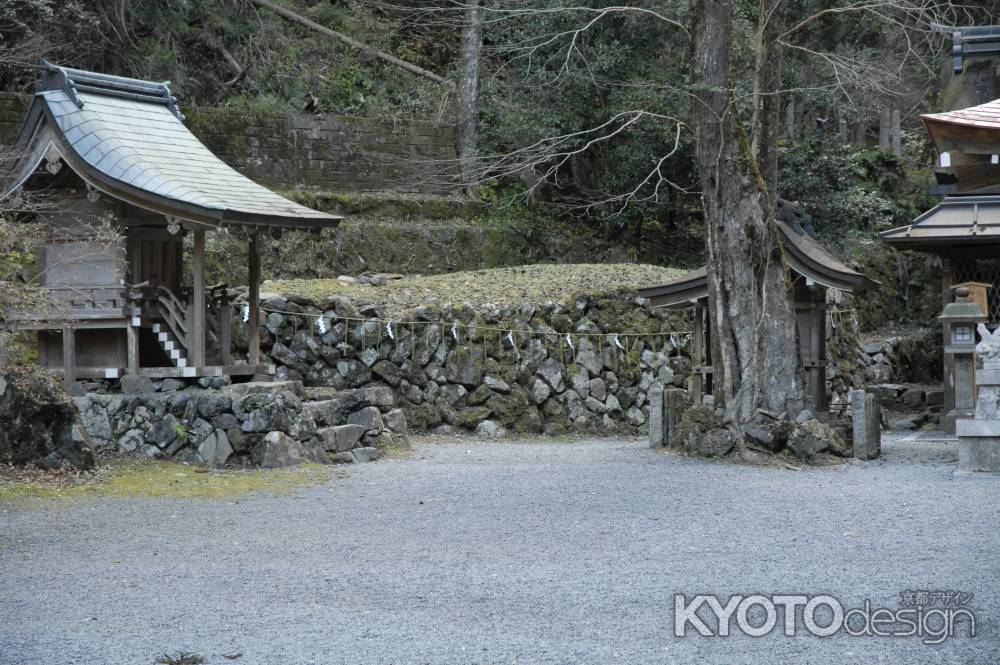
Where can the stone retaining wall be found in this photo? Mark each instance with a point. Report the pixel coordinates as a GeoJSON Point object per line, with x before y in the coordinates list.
{"type": "Point", "coordinates": [289, 151]}
{"type": "Point", "coordinates": [261, 424]}
{"type": "Point", "coordinates": [472, 378]}
{"type": "Point", "coordinates": [911, 358]}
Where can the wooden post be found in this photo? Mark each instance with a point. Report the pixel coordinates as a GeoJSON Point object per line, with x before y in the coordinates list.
{"type": "Point", "coordinates": [132, 348]}
{"type": "Point", "coordinates": [225, 329]}
{"type": "Point", "coordinates": [197, 346]}
{"type": "Point", "coordinates": [253, 280]}
{"type": "Point", "coordinates": [949, 268]}
{"type": "Point", "coordinates": [673, 410]}
{"type": "Point", "coordinates": [69, 355]}
{"type": "Point", "coordinates": [698, 350]}
{"type": "Point", "coordinates": [817, 350]}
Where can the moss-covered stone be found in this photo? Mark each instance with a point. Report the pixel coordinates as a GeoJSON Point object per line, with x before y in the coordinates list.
{"type": "Point", "coordinates": [694, 422]}
{"type": "Point", "coordinates": [471, 416]}
{"type": "Point", "coordinates": [422, 417]}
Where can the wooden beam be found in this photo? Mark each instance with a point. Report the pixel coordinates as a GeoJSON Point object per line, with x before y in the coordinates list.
{"type": "Point", "coordinates": [69, 355]}
{"type": "Point", "coordinates": [196, 349]}
{"type": "Point", "coordinates": [92, 372]}
{"type": "Point", "coordinates": [210, 370]}
{"type": "Point", "coordinates": [253, 322]}
{"type": "Point", "coordinates": [91, 324]}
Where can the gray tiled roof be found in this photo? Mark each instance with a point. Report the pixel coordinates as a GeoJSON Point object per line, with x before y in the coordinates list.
{"type": "Point", "coordinates": [957, 220]}
{"type": "Point", "coordinates": [803, 254]}
{"type": "Point", "coordinates": [140, 147]}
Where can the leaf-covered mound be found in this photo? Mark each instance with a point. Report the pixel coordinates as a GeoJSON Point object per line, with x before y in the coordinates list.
{"type": "Point", "coordinates": [533, 284]}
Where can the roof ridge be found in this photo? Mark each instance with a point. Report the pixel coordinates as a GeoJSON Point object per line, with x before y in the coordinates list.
{"type": "Point", "coordinates": [73, 81]}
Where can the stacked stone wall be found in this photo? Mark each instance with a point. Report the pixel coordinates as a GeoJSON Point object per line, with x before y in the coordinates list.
{"type": "Point", "coordinates": [260, 424]}
{"type": "Point", "coordinates": [554, 368]}
{"type": "Point", "coordinates": [294, 152]}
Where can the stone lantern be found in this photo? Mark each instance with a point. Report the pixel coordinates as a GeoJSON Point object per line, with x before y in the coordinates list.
{"type": "Point", "coordinates": [959, 320]}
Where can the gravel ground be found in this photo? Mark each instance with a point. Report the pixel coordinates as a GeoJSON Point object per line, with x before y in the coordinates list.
{"type": "Point", "coordinates": [522, 552]}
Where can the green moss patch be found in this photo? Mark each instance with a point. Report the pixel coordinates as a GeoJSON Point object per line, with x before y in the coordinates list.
{"type": "Point", "coordinates": [161, 479]}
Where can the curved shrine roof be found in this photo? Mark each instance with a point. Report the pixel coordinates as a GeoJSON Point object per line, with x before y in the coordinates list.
{"type": "Point", "coordinates": [127, 138]}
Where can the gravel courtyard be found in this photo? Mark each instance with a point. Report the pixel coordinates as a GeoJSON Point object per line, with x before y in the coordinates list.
{"type": "Point", "coordinates": [522, 552]}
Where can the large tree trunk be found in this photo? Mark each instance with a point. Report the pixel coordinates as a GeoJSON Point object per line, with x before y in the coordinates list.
{"type": "Point", "coordinates": [468, 88]}
{"type": "Point", "coordinates": [755, 348]}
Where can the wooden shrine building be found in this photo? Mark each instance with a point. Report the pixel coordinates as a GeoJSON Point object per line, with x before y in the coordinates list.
{"type": "Point", "coordinates": [121, 181]}
{"type": "Point", "coordinates": [964, 229]}
{"type": "Point", "coordinates": [815, 271]}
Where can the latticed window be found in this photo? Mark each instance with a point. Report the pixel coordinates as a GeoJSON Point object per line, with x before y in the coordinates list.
{"type": "Point", "coordinates": [982, 270]}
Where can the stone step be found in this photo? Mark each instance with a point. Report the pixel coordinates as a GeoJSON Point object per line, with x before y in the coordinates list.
{"type": "Point", "coordinates": [170, 345]}
{"type": "Point", "coordinates": [340, 438]}
{"type": "Point", "coordinates": [328, 412]}
{"type": "Point", "coordinates": [238, 390]}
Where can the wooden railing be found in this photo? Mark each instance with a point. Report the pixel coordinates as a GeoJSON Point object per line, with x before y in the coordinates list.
{"type": "Point", "coordinates": [219, 320]}
{"type": "Point", "coordinates": [173, 313]}
{"type": "Point", "coordinates": [177, 314]}
{"type": "Point", "coordinates": [57, 306]}
{"type": "Point", "coordinates": [66, 303]}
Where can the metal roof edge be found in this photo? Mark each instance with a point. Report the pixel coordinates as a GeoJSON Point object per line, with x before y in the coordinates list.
{"type": "Point", "coordinates": [72, 81]}
{"type": "Point", "coordinates": [164, 205]}
{"type": "Point", "coordinates": [682, 289]}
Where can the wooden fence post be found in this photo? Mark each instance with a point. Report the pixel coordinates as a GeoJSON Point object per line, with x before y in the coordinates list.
{"type": "Point", "coordinates": [197, 330]}
{"type": "Point", "coordinates": [253, 280]}
{"type": "Point", "coordinates": [69, 355]}
{"type": "Point", "coordinates": [674, 404]}
{"type": "Point", "coordinates": [225, 331]}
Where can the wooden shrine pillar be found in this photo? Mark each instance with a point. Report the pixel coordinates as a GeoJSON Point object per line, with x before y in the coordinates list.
{"type": "Point", "coordinates": [225, 331]}
{"type": "Point", "coordinates": [810, 310]}
{"type": "Point", "coordinates": [700, 382]}
{"type": "Point", "coordinates": [69, 355]}
{"type": "Point", "coordinates": [132, 348]}
{"type": "Point", "coordinates": [197, 332]}
{"type": "Point", "coordinates": [134, 305]}
{"type": "Point", "coordinates": [948, 269]}
{"type": "Point", "coordinates": [253, 280]}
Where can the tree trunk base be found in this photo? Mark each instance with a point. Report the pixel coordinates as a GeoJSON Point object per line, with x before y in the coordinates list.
{"type": "Point", "coordinates": [703, 433]}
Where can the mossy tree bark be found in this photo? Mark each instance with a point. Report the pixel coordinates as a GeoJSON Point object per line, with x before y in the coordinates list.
{"type": "Point", "coordinates": [755, 347]}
